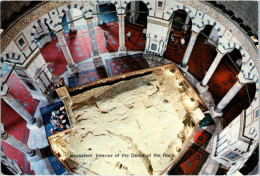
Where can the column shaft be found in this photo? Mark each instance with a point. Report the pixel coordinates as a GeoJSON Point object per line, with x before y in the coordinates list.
{"type": "Point", "coordinates": [229, 96]}
{"type": "Point", "coordinates": [212, 69]}
{"type": "Point", "coordinates": [100, 21]}
{"type": "Point", "coordinates": [185, 26]}
{"type": "Point", "coordinates": [92, 36]}
{"type": "Point", "coordinates": [65, 48]}
{"type": "Point", "coordinates": [72, 24]}
{"type": "Point", "coordinates": [11, 101]}
{"type": "Point", "coordinates": [121, 26]}
{"type": "Point", "coordinates": [189, 49]}
{"type": "Point", "coordinates": [17, 144]}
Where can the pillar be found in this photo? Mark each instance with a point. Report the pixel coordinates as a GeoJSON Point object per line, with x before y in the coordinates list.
{"type": "Point", "coordinates": [99, 19]}
{"type": "Point", "coordinates": [134, 6]}
{"type": "Point", "coordinates": [65, 49]}
{"type": "Point", "coordinates": [202, 87]}
{"type": "Point", "coordinates": [185, 26]}
{"type": "Point", "coordinates": [72, 24]}
{"type": "Point", "coordinates": [11, 101]}
{"type": "Point", "coordinates": [95, 53]}
{"type": "Point", "coordinates": [189, 49]}
{"type": "Point", "coordinates": [121, 26]}
{"type": "Point", "coordinates": [229, 96]}
{"type": "Point", "coordinates": [92, 36]}
{"type": "Point", "coordinates": [17, 144]}
{"type": "Point", "coordinates": [212, 68]}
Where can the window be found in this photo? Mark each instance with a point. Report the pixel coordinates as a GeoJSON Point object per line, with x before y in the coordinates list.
{"type": "Point", "coordinates": [155, 36]}
{"type": "Point", "coordinates": [231, 155]}
{"type": "Point", "coordinates": [160, 4]}
{"type": "Point", "coordinates": [21, 42]}
{"type": "Point", "coordinates": [154, 47]}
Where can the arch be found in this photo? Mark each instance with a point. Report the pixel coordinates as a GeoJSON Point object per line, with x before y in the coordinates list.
{"type": "Point", "coordinates": [86, 12]}
{"type": "Point", "coordinates": [200, 26]}
{"type": "Point", "coordinates": [122, 6]}
{"type": "Point", "coordinates": [10, 55]}
{"type": "Point", "coordinates": [45, 21]}
{"type": "Point", "coordinates": [170, 12]}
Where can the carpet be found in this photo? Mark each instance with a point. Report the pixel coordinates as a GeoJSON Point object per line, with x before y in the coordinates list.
{"type": "Point", "coordinates": [14, 124]}
{"type": "Point", "coordinates": [206, 121]}
{"type": "Point", "coordinates": [191, 162]}
{"type": "Point", "coordinates": [125, 64]}
{"type": "Point", "coordinates": [80, 46]}
{"type": "Point", "coordinates": [86, 77]}
{"type": "Point", "coordinates": [46, 116]}
{"type": "Point", "coordinates": [202, 138]}
{"type": "Point", "coordinates": [57, 167]}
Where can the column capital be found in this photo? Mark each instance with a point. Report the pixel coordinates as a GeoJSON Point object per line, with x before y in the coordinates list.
{"type": "Point", "coordinates": [193, 33]}
{"type": "Point", "coordinates": [60, 32]}
{"type": "Point", "coordinates": [122, 14]}
{"type": "Point", "coordinates": [4, 135]}
{"type": "Point", "coordinates": [242, 80]}
{"type": "Point", "coordinates": [219, 52]}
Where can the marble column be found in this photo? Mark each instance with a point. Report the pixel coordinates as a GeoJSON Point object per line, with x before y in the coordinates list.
{"type": "Point", "coordinates": [92, 36]}
{"type": "Point", "coordinates": [72, 24]}
{"type": "Point", "coordinates": [14, 103]}
{"type": "Point", "coordinates": [121, 26]}
{"type": "Point", "coordinates": [65, 49]}
{"type": "Point", "coordinates": [95, 53]}
{"type": "Point", "coordinates": [17, 144]}
{"type": "Point", "coordinates": [212, 68]}
{"type": "Point", "coordinates": [189, 49]}
{"type": "Point", "coordinates": [185, 26]}
{"type": "Point", "coordinates": [229, 96]}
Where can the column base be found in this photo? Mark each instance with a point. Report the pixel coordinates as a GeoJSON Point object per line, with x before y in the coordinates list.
{"type": "Point", "coordinates": [122, 52]}
{"type": "Point", "coordinates": [73, 69]}
{"type": "Point", "coordinates": [184, 68]}
{"type": "Point", "coordinates": [214, 113]}
{"type": "Point", "coordinates": [201, 88]}
{"type": "Point", "coordinates": [98, 61]}
{"type": "Point", "coordinates": [100, 22]}
{"type": "Point", "coordinates": [119, 49]}
{"type": "Point", "coordinates": [73, 30]}
{"type": "Point", "coordinates": [36, 125]}
{"type": "Point", "coordinates": [37, 156]}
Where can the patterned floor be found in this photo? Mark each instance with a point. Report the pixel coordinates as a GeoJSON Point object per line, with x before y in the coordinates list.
{"type": "Point", "coordinates": [125, 64]}
{"type": "Point", "coordinates": [191, 162]}
{"type": "Point", "coordinates": [46, 115]}
{"type": "Point", "coordinates": [14, 124]}
{"type": "Point", "coordinates": [222, 80]}
{"type": "Point", "coordinates": [80, 46]}
{"type": "Point", "coordinates": [202, 138]}
{"type": "Point", "coordinates": [86, 77]}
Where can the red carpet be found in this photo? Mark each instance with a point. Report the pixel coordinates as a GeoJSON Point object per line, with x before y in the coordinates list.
{"type": "Point", "coordinates": [191, 162]}
{"type": "Point", "coordinates": [14, 124]}
{"type": "Point", "coordinates": [125, 64]}
{"type": "Point", "coordinates": [202, 138]}
{"type": "Point", "coordinates": [221, 81]}
{"type": "Point", "coordinates": [80, 46]}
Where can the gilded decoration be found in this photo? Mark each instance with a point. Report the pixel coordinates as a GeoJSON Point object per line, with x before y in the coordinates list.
{"type": "Point", "coordinates": [26, 20]}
